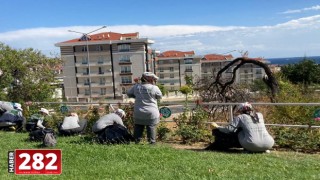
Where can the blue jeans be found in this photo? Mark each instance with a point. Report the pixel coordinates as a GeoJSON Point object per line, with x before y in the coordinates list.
{"type": "Point", "coordinates": [151, 132]}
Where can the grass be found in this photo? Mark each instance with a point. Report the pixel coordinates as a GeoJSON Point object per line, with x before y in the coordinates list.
{"type": "Point", "coordinates": [84, 159]}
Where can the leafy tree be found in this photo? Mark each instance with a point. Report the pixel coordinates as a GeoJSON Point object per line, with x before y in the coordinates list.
{"type": "Point", "coordinates": [305, 72]}
{"type": "Point", "coordinates": [27, 75]}
{"type": "Point", "coordinates": [258, 85]}
{"type": "Point", "coordinates": [189, 80]}
{"type": "Point", "coordinates": [162, 89]}
{"type": "Point", "coordinates": [186, 90]}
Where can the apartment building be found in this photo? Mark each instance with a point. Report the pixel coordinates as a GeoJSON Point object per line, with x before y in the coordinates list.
{"type": "Point", "coordinates": [211, 64]}
{"type": "Point", "coordinates": [173, 66]}
{"type": "Point", "coordinates": [102, 66]}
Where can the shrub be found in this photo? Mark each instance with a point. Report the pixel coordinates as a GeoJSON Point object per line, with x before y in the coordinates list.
{"type": "Point", "coordinates": [162, 131]}
{"type": "Point", "coordinates": [297, 139]}
{"type": "Point", "coordinates": [191, 125]}
{"type": "Point", "coordinates": [92, 116]}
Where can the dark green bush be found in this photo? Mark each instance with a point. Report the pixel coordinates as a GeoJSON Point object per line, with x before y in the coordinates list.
{"type": "Point", "coordinates": [192, 125]}
{"type": "Point", "coordinates": [297, 139]}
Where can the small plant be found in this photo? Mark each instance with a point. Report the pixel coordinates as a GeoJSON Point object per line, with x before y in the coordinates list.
{"type": "Point", "coordinates": [128, 121]}
{"type": "Point", "coordinates": [92, 116]}
{"type": "Point", "coordinates": [162, 131]}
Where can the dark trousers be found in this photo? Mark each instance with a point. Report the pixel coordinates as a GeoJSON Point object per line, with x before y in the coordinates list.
{"type": "Point", "coordinates": [224, 141]}
{"type": "Point", "coordinates": [151, 132]}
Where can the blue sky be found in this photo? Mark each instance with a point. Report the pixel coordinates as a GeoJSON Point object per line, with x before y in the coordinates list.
{"type": "Point", "coordinates": [264, 28]}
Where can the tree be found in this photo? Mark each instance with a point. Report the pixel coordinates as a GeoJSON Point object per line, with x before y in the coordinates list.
{"type": "Point", "coordinates": [186, 90]}
{"type": "Point", "coordinates": [258, 85]}
{"type": "Point", "coordinates": [163, 89]}
{"type": "Point", "coordinates": [305, 72]}
{"type": "Point", "coordinates": [28, 75]}
{"type": "Point", "coordinates": [219, 89]}
{"type": "Point", "coordinates": [188, 80]}
{"type": "Point", "coordinates": [224, 90]}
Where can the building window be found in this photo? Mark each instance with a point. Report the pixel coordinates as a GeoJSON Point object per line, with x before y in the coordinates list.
{"type": "Point", "coordinates": [86, 81]}
{"type": "Point", "coordinates": [258, 71]}
{"type": "Point", "coordinates": [87, 92]}
{"type": "Point", "coordinates": [102, 81]}
{"type": "Point", "coordinates": [124, 91]}
{"type": "Point", "coordinates": [161, 69]}
{"type": "Point", "coordinates": [188, 61]}
{"type": "Point", "coordinates": [123, 47]}
{"type": "Point", "coordinates": [100, 60]}
{"type": "Point", "coordinates": [103, 91]}
{"type": "Point", "coordinates": [85, 71]}
{"type": "Point", "coordinates": [172, 83]}
{"type": "Point", "coordinates": [171, 69]}
{"type": "Point", "coordinates": [126, 80]}
{"type": "Point", "coordinates": [84, 60]}
{"type": "Point", "coordinates": [125, 69]}
{"type": "Point", "coordinates": [125, 58]}
{"type": "Point", "coordinates": [171, 75]}
{"type": "Point", "coordinates": [189, 68]}
{"type": "Point", "coordinates": [100, 71]}
{"type": "Point", "coordinates": [160, 62]}
{"type": "Point", "coordinates": [161, 76]}
{"type": "Point", "coordinates": [84, 49]}
{"type": "Point", "coordinates": [99, 48]}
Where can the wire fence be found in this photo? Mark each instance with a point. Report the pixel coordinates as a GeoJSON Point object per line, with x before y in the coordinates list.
{"type": "Point", "coordinates": [168, 104]}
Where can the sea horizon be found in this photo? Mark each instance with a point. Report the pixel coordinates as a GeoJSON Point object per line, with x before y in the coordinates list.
{"type": "Point", "coordinates": [292, 60]}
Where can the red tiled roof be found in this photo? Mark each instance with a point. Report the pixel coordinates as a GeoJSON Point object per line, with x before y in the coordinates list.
{"type": "Point", "coordinates": [105, 36]}
{"type": "Point", "coordinates": [216, 57]}
{"type": "Point", "coordinates": [176, 53]}
{"type": "Point", "coordinates": [258, 59]}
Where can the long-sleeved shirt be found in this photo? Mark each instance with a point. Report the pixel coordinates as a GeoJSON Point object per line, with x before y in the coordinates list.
{"type": "Point", "coordinates": [106, 120]}
{"type": "Point", "coordinates": [146, 110]}
{"type": "Point", "coordinates": [253, 135]}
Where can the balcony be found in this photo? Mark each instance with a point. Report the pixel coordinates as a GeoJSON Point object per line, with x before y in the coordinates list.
{"type": "Point", "coordinates": [175, 71]}
{"type": "Point", "coordinates": [126, 82]}
{"type": "Point", "coordinates": [100, 74]}
{"type": "Point", "coordinates": [124, 73]}
{"type": "Point", "coordinates": [125, 62]}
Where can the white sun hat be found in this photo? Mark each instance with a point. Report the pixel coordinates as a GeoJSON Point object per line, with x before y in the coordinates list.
{"type": "Point", "coordinates": [244, 107]}
{"type": "Point", "coordinates": [150, 74]}
{"type": "Point", "coordinates": [120, 112]}
{"type": "Point", "coordinates": [17, 106]}
{"type": "Point", "coordinates": [44, 110]}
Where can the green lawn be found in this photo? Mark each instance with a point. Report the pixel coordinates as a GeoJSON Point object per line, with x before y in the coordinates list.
{"type": "Point", "coordinates": [83, 159]}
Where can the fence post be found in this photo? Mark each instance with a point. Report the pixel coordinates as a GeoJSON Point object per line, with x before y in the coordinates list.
{"type": "Point", "coordinates": [231, 113]}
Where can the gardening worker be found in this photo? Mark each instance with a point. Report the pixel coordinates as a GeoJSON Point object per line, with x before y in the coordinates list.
{"type": "Point", "coordinates": [43, 112]}
{"type": "Point", "coordinates": [146, 112]}
{"type": "Point", "coordinates": [111, 130]}
{"type": "Point", "coordinates": [247, 130]}
{"type": "Point", "coordinates": [72, 125]}
{"type": "Point", "coordinates": [109, 120]}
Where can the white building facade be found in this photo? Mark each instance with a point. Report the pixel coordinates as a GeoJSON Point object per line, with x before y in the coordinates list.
{"type": "Point", "coordinates": [102, 66]}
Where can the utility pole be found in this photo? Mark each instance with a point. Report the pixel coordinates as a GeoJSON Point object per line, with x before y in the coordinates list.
{"type": "Point", "coordinates": [86, 35]}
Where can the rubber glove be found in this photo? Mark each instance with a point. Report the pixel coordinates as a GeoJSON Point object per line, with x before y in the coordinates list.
{"type": "Point", "coordinates": [214, 125]}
